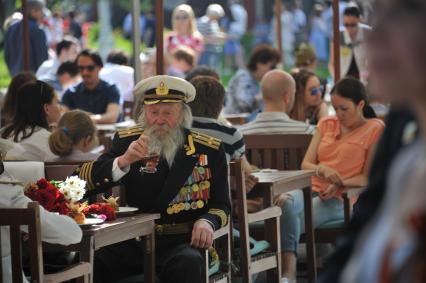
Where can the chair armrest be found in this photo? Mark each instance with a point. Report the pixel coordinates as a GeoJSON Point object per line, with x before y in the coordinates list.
{"type": "Point", "coordinates": [353, 192]}
{"type": "Point", "coordinates": [264, 214]}
{"type": "Point", "coordinates": [71, 272]}
{"type": "Point", "coordinates": [221, 232]}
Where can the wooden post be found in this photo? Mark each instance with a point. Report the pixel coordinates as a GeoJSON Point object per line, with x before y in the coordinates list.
{"type": "Point", "coordinates": [159, 16]}
{"type": "Point", "coordinates": [25, 36]}
{"type": "Point", "coordinates": [136, 39]}
{"type": "Point", "coordinates": [278, 25]}
{"type": "Point", "coordinates": [336, 40]}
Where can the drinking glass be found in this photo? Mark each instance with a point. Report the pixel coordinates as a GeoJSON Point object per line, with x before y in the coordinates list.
{"type": "Point", "coordinates": [151, 160]}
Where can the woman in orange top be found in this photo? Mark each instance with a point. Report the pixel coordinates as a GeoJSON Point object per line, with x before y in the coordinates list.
{"type": "Point", "coordinates": [340, 153]}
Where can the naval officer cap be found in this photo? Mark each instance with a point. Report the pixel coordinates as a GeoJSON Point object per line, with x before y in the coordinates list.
{"type": "Point", "coordinates": [162, 88]}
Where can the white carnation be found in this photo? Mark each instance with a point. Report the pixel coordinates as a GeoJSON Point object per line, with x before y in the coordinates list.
{"type": "Point", "coordinates": [73, 188]}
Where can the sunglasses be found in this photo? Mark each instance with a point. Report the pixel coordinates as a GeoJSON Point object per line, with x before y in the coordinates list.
{"type": "Point", "coordinates": [317, 90]}
{"type": "Point", "coordinates": [181, 18]}
{"type": "Point", "coordinates": [90, 68]}
{"type": "Point", "coordinates": [350, 25]}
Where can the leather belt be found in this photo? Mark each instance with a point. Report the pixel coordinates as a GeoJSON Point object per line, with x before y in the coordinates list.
{"type": "Point", "coordinates": [172, 229]}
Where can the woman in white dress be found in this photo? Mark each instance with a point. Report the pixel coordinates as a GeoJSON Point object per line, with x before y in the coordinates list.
{"type": "Point", "coordinates": [37, 108]}
{"type": "Point", "coordinates": [56, 229]}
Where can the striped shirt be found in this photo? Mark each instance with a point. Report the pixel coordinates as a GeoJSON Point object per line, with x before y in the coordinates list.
{"type": "Point", "coordinates": [231, 138]}
{"type": "Point", "coordinates": [274, 123]}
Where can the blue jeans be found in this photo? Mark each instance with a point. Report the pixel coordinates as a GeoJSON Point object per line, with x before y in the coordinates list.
{"type": "Point", "coordinates": [212, 58]}
{"type": "Point", "coordinates": [293, 217]}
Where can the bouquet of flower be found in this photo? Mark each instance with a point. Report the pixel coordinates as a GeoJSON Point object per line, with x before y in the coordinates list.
{"type": "Point", "coordinates": [72, 188]}
{"type": "Point", "coordinates": [63, 197]}
{"type": "Point", "coordinates": [56, 196]}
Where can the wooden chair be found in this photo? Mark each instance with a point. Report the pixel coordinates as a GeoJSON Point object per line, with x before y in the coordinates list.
{"type": "Point", "coordinates": [30, 217]}
{"type": "Point", "coordinates": [269, 261]}
{"type": "Point", "coordinates": [286, 152]}
{"type": "Point", "coordinates": [222, 245]}
{"type": "Point", "coordinates": [60, 170]}
{"type": "Point", "coordinates": [282, 152]}
{"type": "Point", "coordinates": [277, 151]}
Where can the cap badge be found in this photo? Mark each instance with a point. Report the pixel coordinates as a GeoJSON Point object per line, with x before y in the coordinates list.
{"type": "Point", "coordinates": [162, 89]}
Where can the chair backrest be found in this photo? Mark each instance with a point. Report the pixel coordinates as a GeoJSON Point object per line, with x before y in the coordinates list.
{"type": "Point", "coordinates": [25, 171]}
{"type": "Point", "coordinates": [277, 151]}
{"type": "Point", "coordinates": [237, 119]}
{"type": "Point", "coordinates": [60, 170]}
{"type": "Point", "coordinates": [238, 180]}
{"type": "Point", "coordinates": [15, 218]}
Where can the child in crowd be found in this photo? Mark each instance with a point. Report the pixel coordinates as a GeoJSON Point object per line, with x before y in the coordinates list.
{"type": "Point", "coordinates": [182, 61]}
{"type": "Point", "coordinates": [74, 137]}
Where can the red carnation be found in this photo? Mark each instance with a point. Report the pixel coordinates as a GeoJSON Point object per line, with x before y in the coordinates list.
{"type": "Point", "coordinates": [42, 183]}
{"type": "Point", "coordinates": [108, 211]}
{"type": "Point", "coordinates": [101, 208]}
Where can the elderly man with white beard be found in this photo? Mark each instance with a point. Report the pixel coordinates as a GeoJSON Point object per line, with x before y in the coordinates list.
{"type": "Point", "coordinates": [187, 184]}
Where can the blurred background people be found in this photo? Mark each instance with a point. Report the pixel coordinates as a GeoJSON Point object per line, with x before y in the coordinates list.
{"type": "Point", "coordinates": [287, 34]}
{"type": "Point", "coordinates": [117, 71]}
{"type": "Point", "coordinates": [318, 36]}
{"type": "Point", "coordinates": [10, 102]}
{"type": "Point", "coordinates": [66, 50]}
{"type": "Point", "coordinates": [235, 28]}
{"type": "Point", "coordinates": [181, 62]}
{"type": "Point", "coordinates": [353, 61]}
{"type": "Point", "coordinates": [306, 58]}
{"type": "Point", "coordinates": [300, 23]}
{"type": "Point", "coordinates": [13, 47]}
{"type": "Point", "coordinates": [208, 26]}
{"type": "Point", "coordinates": [243, 93]}
{"type": "Point", "coordinates": [309, 106]}
{"type": "Point", "coordinates": [93, 94]}
{"type": "Point", "coordinates": [67, 75]}
{"type": "Point", "coordinates": [185, 31]}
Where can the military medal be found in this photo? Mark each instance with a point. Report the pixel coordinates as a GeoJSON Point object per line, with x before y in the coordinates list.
{"type": "Point", "coordinates": [169, 210]}
{"type": "Point", "coordinates": [202, 160]}
{"type": "Point", "coordinates": [181, 206]}
{"type": "Point", "coordinates": [174, 208]}
{"type": "Point", "coordinates": [200, 170]}
{"type": "Point", "coordinates": [195, 188]}
{"type": "Point", "coordinates": [193, 205]}
{"type": "Point", "coordinates": [200, 203]}
{"type": "Point", "coordinates": [187, 206]}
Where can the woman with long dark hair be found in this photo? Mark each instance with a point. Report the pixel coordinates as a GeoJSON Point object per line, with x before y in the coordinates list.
{"type": "Point", "coordinates": [10, 99]}
{"type": "Point", "coordinates": [308, 104]}
{"type": "Point", "coordinates": [37, 109]}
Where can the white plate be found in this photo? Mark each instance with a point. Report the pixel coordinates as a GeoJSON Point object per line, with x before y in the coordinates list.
{"type": "Point", "coordinates": [91, 221]}
{"type": "Point", "coordinates": [125, 210]}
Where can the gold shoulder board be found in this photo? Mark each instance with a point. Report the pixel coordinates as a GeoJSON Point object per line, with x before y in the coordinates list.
{"type": "Point", "coordinates": [206, 140]}
{"type": "Point", "coordinates": [132, 131]}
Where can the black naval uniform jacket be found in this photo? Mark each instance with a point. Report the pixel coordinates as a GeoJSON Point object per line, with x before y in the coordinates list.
{"type": "Point", "coordinates": [195, 187]}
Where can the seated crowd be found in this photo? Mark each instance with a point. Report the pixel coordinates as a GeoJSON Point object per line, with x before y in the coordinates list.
{"type": "Point", "coordinates": [183, 114]}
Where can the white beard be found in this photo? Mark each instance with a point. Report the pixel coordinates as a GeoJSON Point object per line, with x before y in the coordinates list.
{"type": "Point", "coordinates": [170, 143]}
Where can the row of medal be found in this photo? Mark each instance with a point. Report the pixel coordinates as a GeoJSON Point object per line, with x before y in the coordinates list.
{"type": "Point", "coordinates": [194, 194]}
